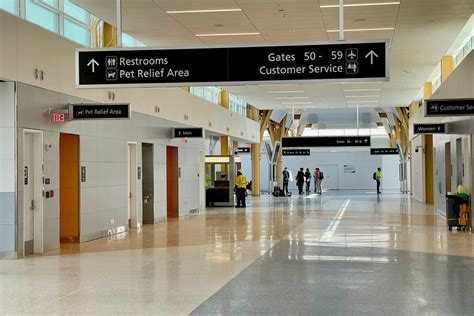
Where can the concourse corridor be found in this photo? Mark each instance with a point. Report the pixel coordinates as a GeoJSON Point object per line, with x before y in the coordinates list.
{"type": "Point", "coordinates": [344, 252]}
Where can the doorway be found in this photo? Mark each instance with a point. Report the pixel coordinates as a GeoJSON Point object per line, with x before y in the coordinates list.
{"type": "Point", "coordinates": [148, 183]}
{"type": "Point", "coordinates": [69, 188]}
{"type": "Point", "coordinates": [132, 185]}
{"type": "Point", "coordinates": [172, 187]}
{"type": "Point", "coordinates": [448, 166]}
{"type": "Point", "coordinates": [32, 192]}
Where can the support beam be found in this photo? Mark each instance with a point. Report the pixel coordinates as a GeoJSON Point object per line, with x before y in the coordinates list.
{"type": "Point", "coordinates": [263, 119]}
{"type": "Point", "coordinates": [429, 173]}
{"type": "Point", "coordinates": [266, 114]}
{"type": "Point", "coordinates": [427, 90]}
{"type": "Point", "coordinates": [447, 66]}
{"type": "Point", "coordinates": [109, 35]}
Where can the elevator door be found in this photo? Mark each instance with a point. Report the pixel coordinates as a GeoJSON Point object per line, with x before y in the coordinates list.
{"type": "Point", "coordinates": [32, 192]}
{"type": "Point", "coordinates": [172, 187]}
{"type": "Point", "coordinates": [29, 192]}
{"type": "Point", "coordinates": [132, 185]}
{"type": "Point", "coordinates": [148, 184]}
{"type": "Point", "coordinates": [69, 186]}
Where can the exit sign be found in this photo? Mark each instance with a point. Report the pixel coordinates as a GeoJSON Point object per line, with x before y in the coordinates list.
{"type": "Point", "coordinates": [58, 117]}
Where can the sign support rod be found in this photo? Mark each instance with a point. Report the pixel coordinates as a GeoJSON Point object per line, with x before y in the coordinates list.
{"type": "Point", "coordinates": [118, 7]}
{"type": "Point", "coordinates": [341, 20]}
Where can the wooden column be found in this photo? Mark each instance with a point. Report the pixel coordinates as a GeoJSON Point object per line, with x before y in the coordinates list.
{"type": "Point", "coordinates": [263, 118]}
{"type": "Point", "coordinates": [277, 131]}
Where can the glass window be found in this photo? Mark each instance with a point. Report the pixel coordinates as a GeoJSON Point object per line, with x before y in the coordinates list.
{"type": "Point", "coordinates": [129, 41]}
{"type": "Point", "coordinates": [76, 32]}
{"type": "Point", "coordinates": [76, 12]}
{"type": "Point", "coordinates": [51, 3]}
{"type": "Point", "coordinates": [41, 15]}
{"type": "Point", "coordinates": [10, 6]}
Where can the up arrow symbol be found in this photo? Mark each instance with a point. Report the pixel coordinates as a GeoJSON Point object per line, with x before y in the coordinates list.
{"type": "Point", "coordinates": [93, 63]}
{"type": "Point", "coordinates": [371, 54]}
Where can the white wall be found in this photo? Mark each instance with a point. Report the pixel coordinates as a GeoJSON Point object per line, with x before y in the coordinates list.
{"type": "Point", "coordinates": [322, 157]}
{"type": "Point", "coordinates": [25, 47]}
{"type": "Point", "coordinates": [460, 84]}
{"type": "Point", "coordinates": [7, 170]}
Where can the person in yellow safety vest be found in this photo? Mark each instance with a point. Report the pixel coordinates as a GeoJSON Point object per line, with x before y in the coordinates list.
{"type": "Point", "coordinates": [241, 188]}
{"type": "Point", "coordinates": [207, 180]}
{"type": "Point", "coordinates": [378, 178]}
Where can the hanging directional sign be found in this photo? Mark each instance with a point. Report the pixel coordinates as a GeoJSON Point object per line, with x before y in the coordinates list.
{"type": "Point", "coordinates": [243, 150]}
{"type": "Point", "coordinates": [296, 152]}
{"type": "Point", "coordinates": [322, 141]}
{"type": "Point", "coordinates": [344, 61]}
{"type": "Point", "coordinates": [452, 107]}
{"type": "Point", "coordinates": [429, 128]}
{"type": "Point", "coordinates": [384, 151]}
{"type": "Point", "coordinates": [188, 132]}
{"type": "Point", "coordinates": [86, 111]}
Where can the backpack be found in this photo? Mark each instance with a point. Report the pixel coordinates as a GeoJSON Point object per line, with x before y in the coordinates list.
{"type": "Point", "coordinates": [321, 175]}
{"type": "Point", "coordinates": [374, 176]}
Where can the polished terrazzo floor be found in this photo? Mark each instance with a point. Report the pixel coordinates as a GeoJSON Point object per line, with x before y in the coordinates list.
{"type": "Point", "coordinates": [353, 253]}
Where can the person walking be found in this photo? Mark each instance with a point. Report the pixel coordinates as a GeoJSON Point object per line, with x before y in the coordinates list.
{"type": "Point", "coordinates": [318, 179]}
{"type": "Point", "coordinates": [378, 178]}
{"type": "Point", "coordinates": [307, 176]}
{"type": "Point", "coordinates": [300, 180]}
{"type": "Point", "coordinates": [286, 180]}
{"type": "Point", "coordinates": [241, 188]}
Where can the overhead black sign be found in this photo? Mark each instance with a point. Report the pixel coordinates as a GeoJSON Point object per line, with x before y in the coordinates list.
{"type": "Point", "coordinates": [336, 141]}
{"type": "Point", "coordinates": [296, 152]}
{"type": "Point", "coordinates": [188, 133]}
{"type": "Point", "coordinates": [384, 151]}
{"type": "Point", "coordinates": [243, 150]}
{"type": "Point", "coordinates": [99, 111]}
{"type": "Point", "coordinates": [451, 107]}
{"type": "Point", "coordinates": [429, 128]}
{"type": "Point", "coordinates": [335, 61]}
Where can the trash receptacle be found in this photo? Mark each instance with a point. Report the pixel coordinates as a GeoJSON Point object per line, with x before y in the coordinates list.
{"type": "Point", "coordinates": [452, 215]}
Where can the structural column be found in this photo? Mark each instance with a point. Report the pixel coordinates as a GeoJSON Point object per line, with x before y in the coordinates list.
{"type": "Point", "coordinates": [428, 153]}
{"type": "Point", "coordinates": [447, 66]}
{"type": "Point", "coordinates": [263, 119]}
{"type": "Point", "coordinates": [277, 131]}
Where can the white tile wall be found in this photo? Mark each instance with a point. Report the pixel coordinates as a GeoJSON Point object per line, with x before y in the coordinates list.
{"type": "Point", "coordinates": [103, 151]}
{"type": "Point", "coordinates": [112, 150]}
{"type": "Point", "coordinates": [7, 141]}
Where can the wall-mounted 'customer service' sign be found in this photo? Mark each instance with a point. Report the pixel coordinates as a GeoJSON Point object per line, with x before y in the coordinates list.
{"type": "Point", "coordinates": [452, 107]}
{"type": "Point", "coordinates": [99, 111]}
{"type": "Point", "coordinates": [336, 61]}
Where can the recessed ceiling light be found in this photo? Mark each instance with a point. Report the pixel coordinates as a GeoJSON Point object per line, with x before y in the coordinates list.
{"type": "Point", "coordinates": [362, 96]}
{"type": "Point", "coordinates": [365, 101]}
{"type": "Point", "coordinates": [360, 4]}
{"type": "Point", "coordinates": [286, 91]}
{"type": "Point", "coordinates": [296, 103]}
{"type": "Point", "coordinates": [204, 11]}
{"type": "Point", "coordinates": [227, 34]}
{"type": "Point", "coordinates": [364, 30]}
{"type": "Point", "coordinates": [290, 98]}
{"type": "Point", "coordinates": [361, 90]}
